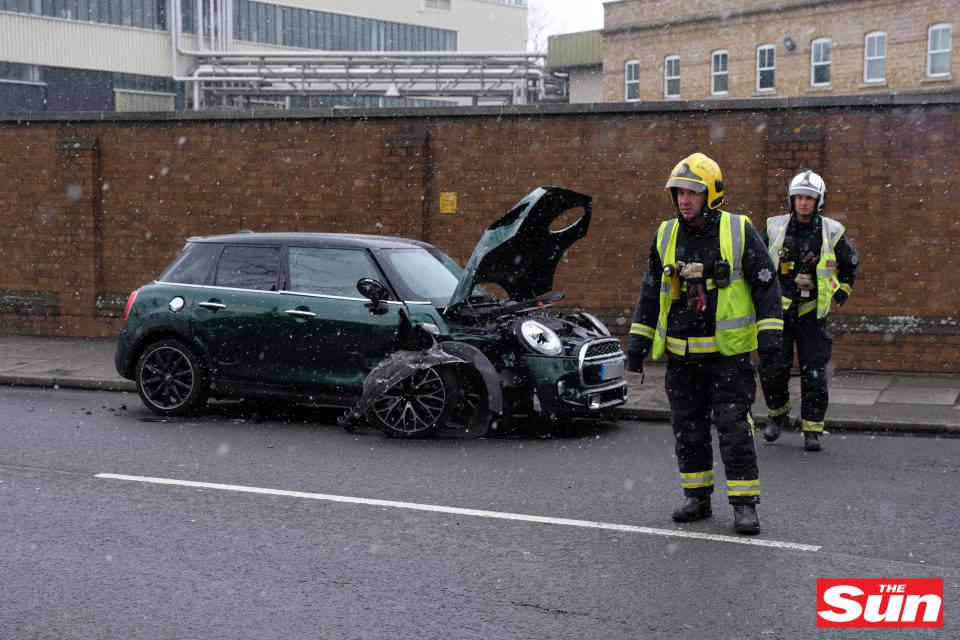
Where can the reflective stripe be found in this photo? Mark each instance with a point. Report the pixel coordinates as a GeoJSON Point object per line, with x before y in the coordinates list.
{"type": "Point", "coordinates": [709, 282]}
{"type": "Point", "coordinates": [736, 323]}
{"type": "Point", "coordinates": [641, 330]}
{"type": "Point", "coordinates": [706, 344]}
{"type": "Point", "coordinates": [773, 413]}
{"type": "Point", "coordinates": [696, 479]}
{"type": "Point", "coordinates": [665, 286]}
{"type": "Point", "coordinates": [736, 242]}
{"type": "Point", "coordinates": [665, 240]}
{"type": "Point", "coordinates": [676, 346]}
{"type": "Point", "coordinates": [807, 425]}
{"type": "Point", "coordinates": [807, 307]}
{"type": "Point", "coordinates": [825, 273]}
{"type": "Point", "coordinates": [743, 487]}
{"type": "Point", "coordinates": [785, 302]}
{"type": "Point", "coordinates": [845, 288]}
{"type": "Point", "coordinates": [770, 324]}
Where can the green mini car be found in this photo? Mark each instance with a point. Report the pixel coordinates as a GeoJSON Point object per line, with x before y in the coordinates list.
{"type": "Point", "coordinates": [389, 328]}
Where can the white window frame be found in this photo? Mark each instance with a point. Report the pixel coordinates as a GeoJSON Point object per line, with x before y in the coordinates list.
{"type": "Point", "coordinates": [814, 62]}
{"type": "Point", "coordinates": [629, 82]}
{"type": "Point", "coordinates": [879, 54]}
{"type": "Point", "coordinates": [714, 74]}
{"type": "Point", "coordinates": [667, 77]}
{"type": "Point", "coordinates": [943, 26]}
{"type": "Point", "coordinates": [771, 68]}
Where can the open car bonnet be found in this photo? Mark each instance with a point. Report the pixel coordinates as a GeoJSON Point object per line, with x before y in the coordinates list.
{"type": "Point", "coordinates": [520, 252]}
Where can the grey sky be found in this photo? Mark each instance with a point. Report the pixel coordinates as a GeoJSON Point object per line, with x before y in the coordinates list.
{"type": "Point", "coordinates": [568, 16]}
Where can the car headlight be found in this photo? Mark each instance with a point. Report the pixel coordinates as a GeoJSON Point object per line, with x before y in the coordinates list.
{"type": "Point", "coordinates": [541, 338]}
{"type": "Point", "coordinates": [597, 324]}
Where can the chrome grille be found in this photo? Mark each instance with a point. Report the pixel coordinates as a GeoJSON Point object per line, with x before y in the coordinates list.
{"type": "Point", "coordinates": [601, 361]}
{"type": "Point", "coordinates": [602, 348]}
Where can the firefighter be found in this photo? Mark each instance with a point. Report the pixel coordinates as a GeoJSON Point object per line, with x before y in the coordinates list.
{"type": "Point", "coordinates": [709, 297]}
{"type": "Point", "coordinates": [816, 265]}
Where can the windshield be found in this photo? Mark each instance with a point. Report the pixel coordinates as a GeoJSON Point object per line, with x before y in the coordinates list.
{"type": "Point", "coordinates": [422, 275]}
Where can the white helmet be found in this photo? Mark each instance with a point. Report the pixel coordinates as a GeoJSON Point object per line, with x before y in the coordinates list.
{"type": "Point", "coordinates": [810, 184]}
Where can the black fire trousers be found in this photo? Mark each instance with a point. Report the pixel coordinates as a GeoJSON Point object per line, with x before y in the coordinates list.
{"type": "Point", "coordinates": [724, 387]}
{"type": "Point", "coordinates": [814, 348]}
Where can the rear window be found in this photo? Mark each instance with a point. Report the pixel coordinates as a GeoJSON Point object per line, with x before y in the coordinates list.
{"type": "Point", "coordinates": [249, 267]}
{"type": "Point", "coordinates": [193, 264]}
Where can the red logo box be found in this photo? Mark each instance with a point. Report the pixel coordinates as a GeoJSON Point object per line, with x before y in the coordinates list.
{"type": "Point", "coordinates": [880, 602]}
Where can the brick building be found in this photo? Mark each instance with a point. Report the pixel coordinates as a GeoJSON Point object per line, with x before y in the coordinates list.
{"type": "Point", "coordinates": [94, 205]}
{"type": "Point", "coordinates": [676, 50]}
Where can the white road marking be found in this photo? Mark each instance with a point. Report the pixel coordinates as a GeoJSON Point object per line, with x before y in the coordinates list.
{"type": "Point", "coordinates": [480, 513]}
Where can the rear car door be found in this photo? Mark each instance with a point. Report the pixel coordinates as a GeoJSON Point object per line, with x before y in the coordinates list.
{"type": "Point", "coordinates": [332, 336]}
{"type": "Point", "coordinates": [234, 316]}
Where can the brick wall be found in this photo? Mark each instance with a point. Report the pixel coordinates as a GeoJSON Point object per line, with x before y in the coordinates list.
{"type": "Point", "coordinates": [93, 208]}
{"type": "Point", "coordinates": [650, 31]}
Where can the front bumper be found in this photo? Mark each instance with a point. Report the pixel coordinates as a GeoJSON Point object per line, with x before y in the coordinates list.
{"type": "Point", "coordinates": [591, 381]}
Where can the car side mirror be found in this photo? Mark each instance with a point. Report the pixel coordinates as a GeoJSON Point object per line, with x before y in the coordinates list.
{"type": "Point", "coordinates": [372, 290]}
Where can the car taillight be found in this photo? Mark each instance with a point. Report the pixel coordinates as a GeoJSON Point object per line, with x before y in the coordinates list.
{"type": "Point", "coordinates": [126, 310]}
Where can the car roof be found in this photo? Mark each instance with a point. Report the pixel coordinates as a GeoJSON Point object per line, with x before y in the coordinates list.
{"type": "Point", "coordinates": [316, 239]}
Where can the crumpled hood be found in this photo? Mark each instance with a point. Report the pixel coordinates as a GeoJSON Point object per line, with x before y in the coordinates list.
{"type": "Point", "coordinates": [519, 252]}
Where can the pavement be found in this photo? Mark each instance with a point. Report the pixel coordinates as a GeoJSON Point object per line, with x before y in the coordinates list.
{"type": "Point", "coordinates": [859, 401]}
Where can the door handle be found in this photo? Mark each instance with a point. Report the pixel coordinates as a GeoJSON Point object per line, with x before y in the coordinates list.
{"type": "Point", "coordinates": [300, 314]}
{"type": "Point", "coordinates": [213, 306]}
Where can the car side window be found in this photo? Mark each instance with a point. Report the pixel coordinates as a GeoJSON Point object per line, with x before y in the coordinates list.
{"type": "Point", "coordinates": [249, 267]}
{"type": "Point", "coordinates": [329, 271]}
{"type": "Point", "coordinates": [193, 264]}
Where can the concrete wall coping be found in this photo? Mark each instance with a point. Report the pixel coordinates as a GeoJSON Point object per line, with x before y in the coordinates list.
{"type": "Point", "coordinates": [598, 108]}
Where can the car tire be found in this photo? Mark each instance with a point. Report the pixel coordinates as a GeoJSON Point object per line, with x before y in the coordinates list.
{"type": "Point", "coordinates": [171, 378]}
{"type": "Point", "coordinates": [418, 405]}
{"type": "Point", "coordinates": [471, 417]}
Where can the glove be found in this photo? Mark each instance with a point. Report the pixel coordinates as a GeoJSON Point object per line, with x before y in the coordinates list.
{"type": "Point", "coordinates": [841, 296]}
{"type": "Point", "coordinates": [635, 362]}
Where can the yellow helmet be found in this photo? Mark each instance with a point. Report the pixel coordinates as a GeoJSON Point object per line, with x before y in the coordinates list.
{"type": "Point", "coordinates": [697, 172]}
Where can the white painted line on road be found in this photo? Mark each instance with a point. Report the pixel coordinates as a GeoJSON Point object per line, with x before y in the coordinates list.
{"type": "Point", "coordinates": [480, 513]}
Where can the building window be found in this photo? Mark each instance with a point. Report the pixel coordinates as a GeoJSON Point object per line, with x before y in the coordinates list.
{"type": "Point", "coordinates": [875, 57]}
{"type": "Point", "coordinates": [16, 72]}
{"type": "Point", "coordinates": [671, 77]}
{"type": "Point", "coordinates": [938, 50]}
{"type": "Point", "coordinates": [631, 80]}
{"type": "Point", "coordinates": [719, 76]}
{"type": "Point", "coordinates": [765, 67]}
{"type": "Point", "coordinates": [820, 62]}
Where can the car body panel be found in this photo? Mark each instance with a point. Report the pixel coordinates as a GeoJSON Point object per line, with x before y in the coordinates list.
{"type": "Point", "coordinates": [519, 251]}
{"type": "Point", "coordinates": [336, 348]}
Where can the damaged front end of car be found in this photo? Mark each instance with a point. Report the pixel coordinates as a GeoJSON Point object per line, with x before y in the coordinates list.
{"type": "Point", "coordinates": [484, 362]}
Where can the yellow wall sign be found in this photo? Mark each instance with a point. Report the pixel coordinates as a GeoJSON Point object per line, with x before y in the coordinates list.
{"type": "Point", "coordinates": [448, 202]}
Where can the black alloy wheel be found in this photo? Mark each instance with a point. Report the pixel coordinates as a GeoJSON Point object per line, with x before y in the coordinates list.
{"type": "Point", "coordinates": [417, 405]}
{"type": "Point", "coordinates": [170, 378]}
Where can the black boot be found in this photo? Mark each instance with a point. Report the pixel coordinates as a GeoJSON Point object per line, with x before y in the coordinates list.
{"type": "Point", "coordinates": [693, 508]}
{"type": "Point", "coordinates": [811, 441]}
{"type": "Point", "coordinates": [771, 431]}
{"type": "Point", "coordinates": [745, 519]}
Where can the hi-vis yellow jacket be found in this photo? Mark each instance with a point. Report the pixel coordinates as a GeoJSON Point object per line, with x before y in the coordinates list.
{"type": "Point", "coordinates": [747, 311]}
{"type": "Point", "coordinates": [827, 281]}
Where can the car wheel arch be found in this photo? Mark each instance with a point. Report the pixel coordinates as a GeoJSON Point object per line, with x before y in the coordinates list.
{"type": "Point", "coordinates": [483, 366]}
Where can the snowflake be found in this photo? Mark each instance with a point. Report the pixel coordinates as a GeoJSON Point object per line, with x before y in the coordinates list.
{"type": "Point", "coordinates": [765, 275]}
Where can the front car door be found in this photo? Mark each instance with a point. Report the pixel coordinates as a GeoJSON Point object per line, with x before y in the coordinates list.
{"type": "Point", "coordinates": [332, 336]}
